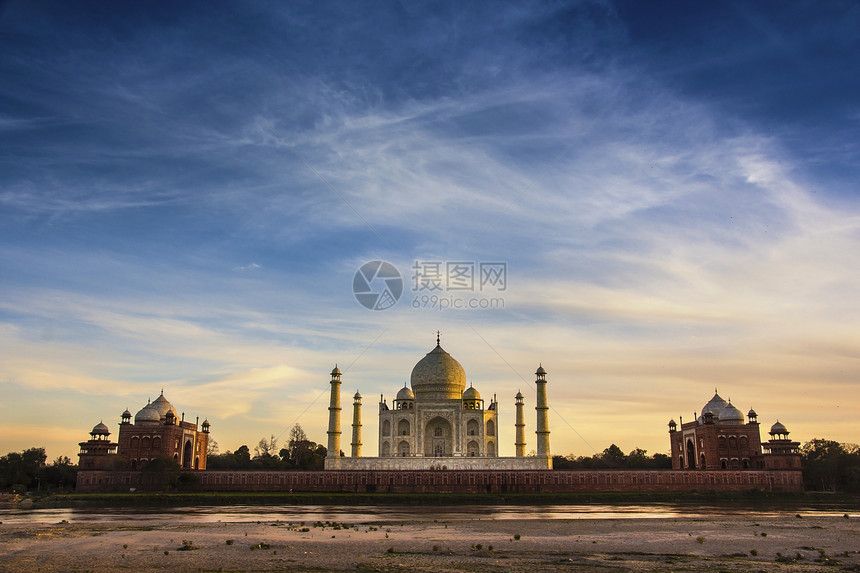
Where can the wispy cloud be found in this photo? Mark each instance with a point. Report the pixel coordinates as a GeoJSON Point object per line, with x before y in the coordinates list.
{"type": "Point", "coordinates": [185, 205]}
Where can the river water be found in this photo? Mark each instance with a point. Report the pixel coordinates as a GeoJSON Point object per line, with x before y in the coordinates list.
{"type": "Point", "coordinates": [395, 513]}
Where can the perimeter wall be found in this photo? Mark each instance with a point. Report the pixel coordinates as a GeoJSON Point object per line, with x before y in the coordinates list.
{"type": "Point", "coordinates": [450, 481]}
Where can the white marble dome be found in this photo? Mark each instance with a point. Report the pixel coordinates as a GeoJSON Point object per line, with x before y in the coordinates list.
{"type": "Point", "coordinates": [147, 415]}
{"type": "Point", "coordinates": [405, 393]}
{"type": "Point", "coordinates": [438, 376]}
{"type": "Point", "coordinates": [731, 415]}
{"type": "Point", "coordinates": [162, 406]}
{"type": "Point", "coordinates": [471, 394]}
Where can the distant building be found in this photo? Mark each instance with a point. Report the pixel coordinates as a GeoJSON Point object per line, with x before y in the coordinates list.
{"type": "Point", "coordinates": [157, 432]}
{"type": "Point", "coordinates": [438, 423]}
{"type": "Point", "coordinates": [720, 439]}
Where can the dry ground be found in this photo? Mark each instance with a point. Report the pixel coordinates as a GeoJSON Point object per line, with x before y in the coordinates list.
{"type": "Point", "coordinates": [788, 543]}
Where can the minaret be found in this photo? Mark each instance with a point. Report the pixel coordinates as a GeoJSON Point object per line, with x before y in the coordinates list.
{"type": "Point", "coordinates": [542, 414]}
{"type": "Point", "coordinates": [356, 426]}
{"type": "Point", "coordinates": [334, 416]}
{"type": "Point", "coordinates": [520, 443]}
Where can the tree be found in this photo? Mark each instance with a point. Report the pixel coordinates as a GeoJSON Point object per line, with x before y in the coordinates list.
{"type": "Point", "coordinates": [22, 470]}
{"type": "Point", "coordinates": [637, 459]}
{"type": "Point", "coordinates": [212, 448]}
{"type": "Point", "coordinates": [242, 457]}
{"type": "Point", "coordinates": [61, 473]}
{"type": "Point", "coordinates": [162, 472]}
{"type": "Point", "coordinates": [612, 457]}
{"type": "Point", "coordinates": [266, 448]}
{"type": "Point", "coordinates": [265, 455]}
{"type": "Point", "coordinates": [297, 434]}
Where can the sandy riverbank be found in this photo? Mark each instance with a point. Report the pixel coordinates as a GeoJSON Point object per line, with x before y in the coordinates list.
{"type": "Point", "coordinates": [808, 543]}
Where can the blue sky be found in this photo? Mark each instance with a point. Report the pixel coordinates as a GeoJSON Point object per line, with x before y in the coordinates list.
{"type": "Point", "coordinates": [187, 191]}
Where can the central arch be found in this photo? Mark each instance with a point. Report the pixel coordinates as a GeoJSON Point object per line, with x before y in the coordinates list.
{"type": "Point", "coordinates": [438, 438]}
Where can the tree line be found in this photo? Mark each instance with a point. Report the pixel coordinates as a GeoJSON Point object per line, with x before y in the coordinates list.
{"type": "Point", "coordinates": [300, 453]}
{"type": "Point", "coordinates": [831, 466]}
{"type": "Point", "coordinates": [828, 465]}
{"type": "Point", "coordinates": [27, 471]}
{"type": "Point", "coordinates": [613, 458]}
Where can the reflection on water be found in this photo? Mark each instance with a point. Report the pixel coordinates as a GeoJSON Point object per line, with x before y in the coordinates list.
{"type": "Point", "coordinates": [384, 514]}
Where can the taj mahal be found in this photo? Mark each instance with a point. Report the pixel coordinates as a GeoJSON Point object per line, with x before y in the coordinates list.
{"type": "Point", "coordinates": [438, 423]}
{"type": "Point", "coordinates": [438, 435]}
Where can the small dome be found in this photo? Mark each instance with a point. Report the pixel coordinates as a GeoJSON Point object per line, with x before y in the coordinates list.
{"type": "Point", "coordinates": [540, 370]}
{"type": "Point", "coordinates": [357, 396]}
{"type": "Point", "coordinates": [471, 394]}
{"type": "Point", "coordinates": [731, 415]}
{"type": "Point", "coordinates": [206, 423]}
{"type": "Point", "coordinates": [146, 415]}
{"type": "Point", "coordinates": [336, 371]}
{"type": "Point", "coordinates": [100, 429]}
{"type": "Point", "coordinates": [778, 428]}
{"type": "Point", "coordinates": [126, 414]}
{"type": "Point", "coordinates": [519, 395]}
{"type": "Point", "coordinates": [672, 422]}
{"type": "Point", "coordinates": [752, 414]}
{"type": "Point", "coordinates": [404, 393]}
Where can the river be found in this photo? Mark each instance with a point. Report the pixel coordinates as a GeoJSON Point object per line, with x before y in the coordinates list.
{"type": "Point", "coordinates": [398, 513]}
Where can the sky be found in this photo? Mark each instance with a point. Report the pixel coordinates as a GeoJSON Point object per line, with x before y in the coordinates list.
{"type": "Point", "coordinates": [653, 200]}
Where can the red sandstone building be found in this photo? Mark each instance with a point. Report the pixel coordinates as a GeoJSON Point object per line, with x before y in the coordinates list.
{"type": "Point", "coordinates": [157, 432]}
{"type": "Point", "coordinates": [97, 453]}
{"type": "Point", "coordinates": [718, 439]}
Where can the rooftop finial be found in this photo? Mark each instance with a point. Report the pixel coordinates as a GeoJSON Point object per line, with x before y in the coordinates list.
{"type": "Point", "coordinates": [438, 336]}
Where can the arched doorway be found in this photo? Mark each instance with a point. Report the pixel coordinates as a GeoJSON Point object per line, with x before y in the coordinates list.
{"type": "Point", "coordinates": [691, 455]}
{"type": "Point", "coordinates": [472, 428]}
{"type": "Point", "coordinates": [403, 428]}
{"type": "Point", "coordinates": [472, 449]}
{"type": "Point", "coordinates": [186, 455]}
{"type": "Point", "coordinates": [438, 440]}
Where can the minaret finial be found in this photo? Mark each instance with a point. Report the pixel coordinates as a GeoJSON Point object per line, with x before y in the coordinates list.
{"type": "Point", "coordinates": [438, 336]}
